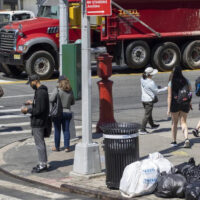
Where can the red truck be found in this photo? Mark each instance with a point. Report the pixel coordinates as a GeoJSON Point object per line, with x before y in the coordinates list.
{"type": "Point", "coordinates": [163, 33]}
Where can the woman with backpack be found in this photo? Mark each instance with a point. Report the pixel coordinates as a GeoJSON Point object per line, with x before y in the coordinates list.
{"type": "Point", "coordinates": [149, 97]}
{"type": "Point", "coordinates": [179, 103]}
{"type": "Point", "coordinates": [67, 99]}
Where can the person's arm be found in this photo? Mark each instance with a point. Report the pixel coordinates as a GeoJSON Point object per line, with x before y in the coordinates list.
{"type": "Point", "coordinates": [169, 99]}
{"type": "Point", "coordinates": [72, 97]}
{"type": "Point", "coordinates": [53, 95]}
{"type": "Point", "coordinates": [156, 90]}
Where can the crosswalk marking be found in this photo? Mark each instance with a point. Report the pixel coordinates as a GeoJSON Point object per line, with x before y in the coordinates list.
{"type": "Point", "coordinates": [13, 116]}
{"type": "Point", "coordinates": [10, 110]}
{"type": "Point", "coordinates": [31, 190]}
{"type": "Point", "coordinates": [5, 197]}
{"type": "Point", "coordinates": [15, 124]}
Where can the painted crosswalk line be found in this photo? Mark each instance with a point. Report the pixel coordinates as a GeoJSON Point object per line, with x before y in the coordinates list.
{"type": "Point", "coordinates": [31, 190]}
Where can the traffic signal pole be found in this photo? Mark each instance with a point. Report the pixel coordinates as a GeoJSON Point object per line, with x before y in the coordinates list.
{"type": "Point", "coordinates": [87, 156]}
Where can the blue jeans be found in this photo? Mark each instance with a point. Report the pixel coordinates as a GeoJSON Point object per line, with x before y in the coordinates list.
{"type": "Point", "coordinates": [64, 122]}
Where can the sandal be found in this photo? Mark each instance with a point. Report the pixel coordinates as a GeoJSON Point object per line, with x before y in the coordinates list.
{"type": "Point", "coordinates": [67, 150]}
{"type": "Point", "coordinates": [55, 149]}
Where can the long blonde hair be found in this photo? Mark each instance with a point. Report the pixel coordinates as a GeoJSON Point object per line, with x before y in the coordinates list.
{"type": "Point", "coordinates": [65, 85]}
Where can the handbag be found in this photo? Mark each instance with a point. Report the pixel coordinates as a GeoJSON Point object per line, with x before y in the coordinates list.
{"type": "Point", "coordinates": [1, 91]}
{"type": "Point", "coordinates": [155, 99]}
{"type": "Point", "coordinates": [48, 127]}
{"type": "Point", "coordinates": [56, 111]}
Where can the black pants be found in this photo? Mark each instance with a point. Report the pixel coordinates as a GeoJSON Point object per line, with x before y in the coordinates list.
{"type": "Point", "coordinates": [148, 107]}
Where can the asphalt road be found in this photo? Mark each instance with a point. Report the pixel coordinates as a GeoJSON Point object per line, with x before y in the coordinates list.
{"type": "Point", "coordinates": [126, 97]}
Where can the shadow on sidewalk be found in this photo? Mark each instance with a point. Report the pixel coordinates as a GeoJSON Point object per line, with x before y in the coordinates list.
{"type": "Point", "coordinates": [58, 164]}
{"type": "Point", "coordinates": [173, 149]}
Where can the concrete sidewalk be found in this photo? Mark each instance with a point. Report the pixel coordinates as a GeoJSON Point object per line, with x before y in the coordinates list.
{"type": "Point", "coordinates": [19, 157]}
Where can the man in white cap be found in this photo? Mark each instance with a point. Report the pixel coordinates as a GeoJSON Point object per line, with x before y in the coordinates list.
{"type": "Point", "coordinates": [149, 97]}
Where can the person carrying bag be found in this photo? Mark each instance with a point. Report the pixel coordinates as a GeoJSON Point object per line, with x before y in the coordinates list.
{"type": "Point", "coordinates": [61, 100]}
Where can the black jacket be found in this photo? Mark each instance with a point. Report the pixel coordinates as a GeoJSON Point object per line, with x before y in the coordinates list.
{"type": "Point", "coordinates": [40, 108]}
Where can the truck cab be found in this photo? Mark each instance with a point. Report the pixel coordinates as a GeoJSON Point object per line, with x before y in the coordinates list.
{"type": "Point", "coordinates": [33, 45]}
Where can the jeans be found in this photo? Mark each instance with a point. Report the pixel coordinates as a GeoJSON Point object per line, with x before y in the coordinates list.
{"type": "Point", "coordinates": [64, 122]}
{"type": "Point", "coordinates": [38, 134]}
{"type": "Point", "coordinates": [148, 107]}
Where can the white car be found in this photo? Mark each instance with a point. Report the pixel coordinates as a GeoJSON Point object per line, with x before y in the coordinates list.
{"type": "Point", "coordinates": [9, 16]}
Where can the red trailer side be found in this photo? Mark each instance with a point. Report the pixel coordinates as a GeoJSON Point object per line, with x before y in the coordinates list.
{"type": "Point", "coordinates": [177, 22]}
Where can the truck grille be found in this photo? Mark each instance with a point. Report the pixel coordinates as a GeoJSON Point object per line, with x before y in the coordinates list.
{"type": "Point", "coordinates": [7, 40]}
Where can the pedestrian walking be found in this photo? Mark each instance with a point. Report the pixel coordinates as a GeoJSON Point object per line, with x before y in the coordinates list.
{"type": "Point", "coordinates": [39, 110]}
{"type": "Point", "coordinates": [149, 98]}
{"type": "Point", "coordinates": [179, 103]}
{"type": "Point", "coordinates": [67, 98]}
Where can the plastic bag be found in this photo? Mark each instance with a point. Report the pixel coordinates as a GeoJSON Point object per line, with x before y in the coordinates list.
{"type": "Point", "coordinates": [163, 164]}
{"type": "Point", "coordinates": [189, 170]}
{"type": "Point", "coordinates": [171, 185]}
{"type": "Point", "coordinates": [193, 191]}
{"type": "Point", "coordinates": [139, 178]}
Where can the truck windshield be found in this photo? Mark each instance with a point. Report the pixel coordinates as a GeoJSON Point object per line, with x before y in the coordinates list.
{"type": "Point", "coordinates": [49, 12]}
{"type": "Point", "coordinates": [4, 18]}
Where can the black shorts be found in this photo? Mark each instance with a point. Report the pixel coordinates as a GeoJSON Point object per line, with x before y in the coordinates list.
{"type": "Point", "coordinates": [175, 107]}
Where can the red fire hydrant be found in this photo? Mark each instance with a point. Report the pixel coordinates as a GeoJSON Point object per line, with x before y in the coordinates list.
{"type": "Point", "coordinates": [104, 71]}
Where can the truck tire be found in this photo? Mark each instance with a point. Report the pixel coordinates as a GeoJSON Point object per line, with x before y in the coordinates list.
{"type": "Point", "coordinates": [191, 55]}
{"type": "Point", "coordinates": [166, 56]}
{"type": "Point", "coordinates": [137, 54]}
{"type": "Point", "coordinates": [41, 63]}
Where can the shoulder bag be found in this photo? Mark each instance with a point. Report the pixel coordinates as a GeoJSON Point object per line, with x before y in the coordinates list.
{"type": "Point", "coordinates": [56, 111]}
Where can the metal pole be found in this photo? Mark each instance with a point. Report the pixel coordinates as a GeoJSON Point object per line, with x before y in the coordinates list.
{"type": "Point", "coordinates": [63, 29]}
{"type": "Point", "coordinates": [87, 156]}
{"type": "Point", "coordinates": [1, 5]}
{"type": "Point", "coordinates": [19, 5]}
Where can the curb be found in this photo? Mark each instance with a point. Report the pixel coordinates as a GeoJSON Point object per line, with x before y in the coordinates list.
{"type": "Point", "coordinates": [91, 193]}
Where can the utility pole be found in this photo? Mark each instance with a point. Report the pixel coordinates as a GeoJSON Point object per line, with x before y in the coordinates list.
{"type": "Point", "coordinates": [87, 157]}
{"type": "Point", "coordinates": [1, 5]}
{"type": "Point", "coordinates": [19, 5]}
{"type": "Point", "coordinates": [64, 29]}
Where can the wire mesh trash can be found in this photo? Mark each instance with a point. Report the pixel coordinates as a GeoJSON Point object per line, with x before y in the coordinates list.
{"type": "Point", "coordinates": [121, 145]}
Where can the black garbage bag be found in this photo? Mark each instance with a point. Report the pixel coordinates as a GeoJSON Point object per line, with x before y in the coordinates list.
{"type": "Point", "coordinates": [192, 191]}
{"type": "Point", "coordinates": [189, 170]}
{"type": "Point", "coordinates": [184, 167]}
{"type": "Point", "coordinates": [171, 185]}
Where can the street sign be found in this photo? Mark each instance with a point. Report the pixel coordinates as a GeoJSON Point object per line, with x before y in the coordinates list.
{"type": "Point", "coordinates": [98, 7]}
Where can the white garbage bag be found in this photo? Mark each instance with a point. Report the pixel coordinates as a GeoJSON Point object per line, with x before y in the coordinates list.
{"type": "Point", "coordinates": [163, 164]}
{"type": "Point", "coordinates": [139, 178]}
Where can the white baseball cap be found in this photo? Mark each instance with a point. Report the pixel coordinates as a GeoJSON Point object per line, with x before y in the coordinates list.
{"type": "Point", "coordinates": [151, 71]}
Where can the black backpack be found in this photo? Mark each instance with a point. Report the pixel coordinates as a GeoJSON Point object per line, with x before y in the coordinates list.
{"type": "Point", "coordinates": [184, 96]}
{"type": "Point", "coordinates": [57, 108]}
{"type": "Point", "coordinates": [197, 86]}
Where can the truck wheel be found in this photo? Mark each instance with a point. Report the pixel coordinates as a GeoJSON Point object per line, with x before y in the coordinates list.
{"type": "Point", "coordinates": [191, 55]}
{"type": "Point", "coordinates": [41, 63]}
{"type": "Point", "coordinates": [137, 54]}
{"type": "Point", "coordinates": [166, 56]}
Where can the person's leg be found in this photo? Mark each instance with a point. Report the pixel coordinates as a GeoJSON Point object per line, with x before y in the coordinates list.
{"type": "Point", "coordinates": [198, 125]}
{"type": "Point", "coordinates": [148, 107]}
{"type": "Point", "coordinates": [57, 130]}
{"type": "Point", "coordinates": [183, 116]}
{"type": "Point", "coordinates": [175, 117]}
{"type": "Point", "coordinates": [38, 134]}
{"type": "Point", "coordinates": [65, 125]}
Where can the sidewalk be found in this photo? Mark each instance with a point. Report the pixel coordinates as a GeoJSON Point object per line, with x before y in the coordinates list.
{"type": "Point", "coordinates": [19, 157]}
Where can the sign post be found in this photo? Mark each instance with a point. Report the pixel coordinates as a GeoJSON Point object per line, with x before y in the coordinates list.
{"type": "Point", "coordinates": [98, 7]}
{"type": "Point", "coordinates": [87, 156]}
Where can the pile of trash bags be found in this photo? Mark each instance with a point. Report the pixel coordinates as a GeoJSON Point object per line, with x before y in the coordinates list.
{"type": "Point", "coordinates": [157, 175]}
